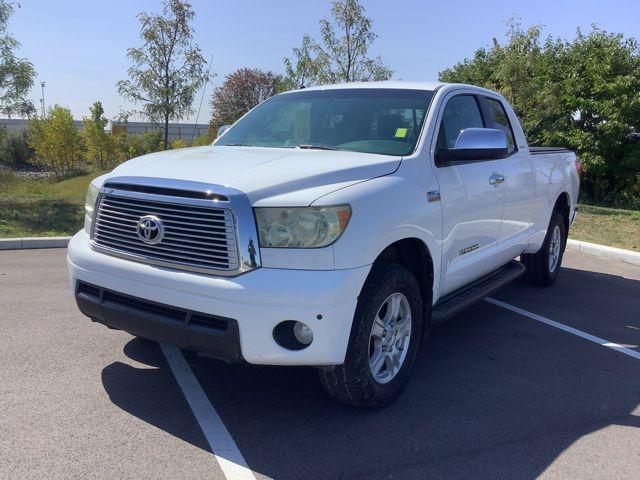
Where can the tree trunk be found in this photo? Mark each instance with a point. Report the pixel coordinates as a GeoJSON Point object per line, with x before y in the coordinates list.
{"type": "Point", "coordinates": [166, 132]}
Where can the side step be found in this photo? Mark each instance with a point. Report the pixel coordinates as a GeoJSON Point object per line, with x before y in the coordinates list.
{"type": "Point", "coordinates": [458, 300]}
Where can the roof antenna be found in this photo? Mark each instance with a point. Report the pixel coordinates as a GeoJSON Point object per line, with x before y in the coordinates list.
{"type": "Point", "coordinates": [195, 125]}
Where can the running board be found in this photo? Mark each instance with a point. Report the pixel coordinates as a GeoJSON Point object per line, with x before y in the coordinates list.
{"type": "Point", "coordinates": [462, 298]}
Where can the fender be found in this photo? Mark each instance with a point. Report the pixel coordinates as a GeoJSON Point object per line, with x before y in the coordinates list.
{"type": "Point", "coordinates": [401, 210]}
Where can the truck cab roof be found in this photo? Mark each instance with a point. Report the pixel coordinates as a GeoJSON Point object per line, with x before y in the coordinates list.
{"type": "Point", "coordinates": [398, 84]}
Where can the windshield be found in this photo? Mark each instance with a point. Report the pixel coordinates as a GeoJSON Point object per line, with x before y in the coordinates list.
{"type": "Point", "coordinates": [376, 120]}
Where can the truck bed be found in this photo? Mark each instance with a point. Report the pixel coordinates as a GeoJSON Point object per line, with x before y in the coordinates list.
{"type": "Point", "coordinates": [547, 150]}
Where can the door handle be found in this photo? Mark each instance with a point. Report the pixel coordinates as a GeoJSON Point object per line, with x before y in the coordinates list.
{"type": "Point", "coordinates": [496, 179]}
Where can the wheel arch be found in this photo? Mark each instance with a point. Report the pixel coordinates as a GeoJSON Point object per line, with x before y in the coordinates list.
{"type": "Point", "coordinates": [563, 207]}
{"type": "Point", "coordinates": [413, 254]}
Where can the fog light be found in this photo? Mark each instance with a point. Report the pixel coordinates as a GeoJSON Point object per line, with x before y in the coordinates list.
{"type": "Point", "coordinates": [292, 335]}
{"type": "Point", "coordinates": [302, 333]}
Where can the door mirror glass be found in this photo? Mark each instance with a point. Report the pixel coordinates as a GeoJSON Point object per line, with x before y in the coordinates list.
{"type": "Point", "coordinates": [476, 144]}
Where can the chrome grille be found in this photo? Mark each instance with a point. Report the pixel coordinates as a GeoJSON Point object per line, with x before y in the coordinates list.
{"type": "Point", "coordinates": [196, 237]}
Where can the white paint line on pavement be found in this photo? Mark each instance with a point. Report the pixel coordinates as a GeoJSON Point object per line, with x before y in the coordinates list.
{"type": "Point", "coordinates": [566, 328]}
{"type": "Point", "coordinates": [231, 461]}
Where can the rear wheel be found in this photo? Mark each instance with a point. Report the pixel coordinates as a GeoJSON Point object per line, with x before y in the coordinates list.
{"type": "Point", "coordinates": [543, 267]}
{"type": "Point", "coordinates": [386, 330]}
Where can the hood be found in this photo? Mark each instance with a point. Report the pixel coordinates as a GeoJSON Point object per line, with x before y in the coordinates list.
{"type": "Point", "coordinates": [269, 176]}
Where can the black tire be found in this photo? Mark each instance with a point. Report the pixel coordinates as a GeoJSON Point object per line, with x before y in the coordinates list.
{"type": "Point", "coordinates": [539, 267]}
{"type": "Point", "coordinates": [353, 382]}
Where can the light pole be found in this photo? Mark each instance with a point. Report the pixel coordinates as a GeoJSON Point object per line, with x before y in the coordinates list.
{"type": "Point", "coordinates": [42, 84]}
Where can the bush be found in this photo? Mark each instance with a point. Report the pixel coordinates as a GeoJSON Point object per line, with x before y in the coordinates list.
{"type": "Point", "coordinates": [15, 151]}
{"type": "Point", "coordinates": [57, 143]}
{"type": "Point", "coordinates": [204, 140]}
{"type": "Point", "coordinates": [143, 143]}
{"type": "Point", "coordinates": [179, 143]}
{"type": "Point", "coordinates": [100, 144]}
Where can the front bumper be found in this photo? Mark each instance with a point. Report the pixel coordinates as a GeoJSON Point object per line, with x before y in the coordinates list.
{"type": "Point", "coordinates": [210, 335]}
{"type": "Point", "coordinates": [256, 302]}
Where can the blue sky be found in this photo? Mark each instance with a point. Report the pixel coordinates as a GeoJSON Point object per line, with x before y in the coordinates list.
{"type": "Point", "coordinates": [78, 47]}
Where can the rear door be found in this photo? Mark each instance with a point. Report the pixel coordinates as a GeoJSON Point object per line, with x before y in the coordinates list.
{"type": "Point", "coordinates": [519, 183]}
{"type": "Point", "coordinates": [471, 202]}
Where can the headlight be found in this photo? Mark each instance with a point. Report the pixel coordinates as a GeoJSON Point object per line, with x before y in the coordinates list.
{"type": "Point", "coordinates": [90, 205]}
{"type": "Point", "coordinates": [301, 227]}
{"type": "Point", "coordinates": [90, 199]}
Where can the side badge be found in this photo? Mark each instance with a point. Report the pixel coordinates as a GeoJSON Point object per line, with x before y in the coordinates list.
{"type": "Point", "coordinates": [468, 249]}
{"type": "Point", "coordinates": [433, 196]}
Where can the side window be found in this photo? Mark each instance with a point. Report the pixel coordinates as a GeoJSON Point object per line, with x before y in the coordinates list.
{"type": "Point", "coordinates": [461, 112]}
{"type": "Point", "coordinates": [498, 119]}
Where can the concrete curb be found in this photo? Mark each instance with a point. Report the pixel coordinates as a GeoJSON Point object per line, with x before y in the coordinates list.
{"type": "Point", "coordinates": [603, 251]}
{"type": "Point", "coordinates": [33, 242]}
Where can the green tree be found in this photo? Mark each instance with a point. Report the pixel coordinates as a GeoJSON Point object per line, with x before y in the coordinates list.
{"type": "Point", "coordinates": [56, 142]}
{"type": "Point", "coordinates": [16, 74]}
{"type": "Point", "coordinates": [300, 70]}
{"type": "Point", "coordinates": [168, 69]}
{"type": "Point", "coordinates": [241, 91]}
{"type": "Point", "coordinates": [583, 94]}
{"type": "Point", "coordinates": [100, 145]}
{"type": "Point", "coordinates": [341, 54]}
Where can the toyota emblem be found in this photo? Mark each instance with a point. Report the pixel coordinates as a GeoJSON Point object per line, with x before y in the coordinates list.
{"type": "Point", "coordinates": [150, 229]}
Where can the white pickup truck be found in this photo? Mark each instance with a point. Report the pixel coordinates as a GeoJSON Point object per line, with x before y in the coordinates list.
{"type": "Point", "coordinates": [328, 227]}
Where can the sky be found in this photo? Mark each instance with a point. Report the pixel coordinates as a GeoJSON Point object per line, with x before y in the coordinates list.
{"type": "Point", "coordinates": [78, 47]}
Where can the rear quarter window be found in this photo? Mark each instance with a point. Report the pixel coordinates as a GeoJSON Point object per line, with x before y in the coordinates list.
{"type": "Point", "coordinates": [498, 119]}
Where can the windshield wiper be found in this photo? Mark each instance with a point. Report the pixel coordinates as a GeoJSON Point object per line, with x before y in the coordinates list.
{"type": "Point", "coordinates": [316, 147]}
{"type": "Point", "coordinates": [236, 145]}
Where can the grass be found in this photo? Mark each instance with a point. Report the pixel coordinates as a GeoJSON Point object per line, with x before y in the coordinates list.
{"type": "Point", "coordinates": [41, 208]}
{"type": "Point", "coordinates": [607, 226]}
{"type": "Point", "coordinates": [49, 208]}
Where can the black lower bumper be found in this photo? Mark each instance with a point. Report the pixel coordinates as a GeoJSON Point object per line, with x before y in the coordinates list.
{"type": "Point", "coordinates": [214, 336]}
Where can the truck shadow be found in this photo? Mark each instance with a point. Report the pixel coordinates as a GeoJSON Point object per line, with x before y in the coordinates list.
{"type": "Point", "coordinates": [151, 394]}
{"type": "Point", "coordinates": [493, 395]}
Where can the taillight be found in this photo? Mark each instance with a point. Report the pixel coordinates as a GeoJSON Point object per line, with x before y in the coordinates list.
{"type": "Point", "coordinates": [579, 167]}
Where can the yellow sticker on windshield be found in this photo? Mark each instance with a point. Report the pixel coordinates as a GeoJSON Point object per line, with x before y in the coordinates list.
{"type": "Point", "coordinates": [401, 132]}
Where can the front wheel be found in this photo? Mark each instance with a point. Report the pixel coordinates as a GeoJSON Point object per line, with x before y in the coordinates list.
{"type": "Point", "coordinates": [543, 267]}
{"type": "Point", "coordinates": [386, 330]}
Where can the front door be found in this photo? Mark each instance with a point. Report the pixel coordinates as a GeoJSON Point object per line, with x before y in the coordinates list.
{"type": "Point", "coordinates": [472, 199]}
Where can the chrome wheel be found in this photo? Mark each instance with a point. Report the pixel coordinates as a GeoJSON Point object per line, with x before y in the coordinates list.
{"type": "Point", "coordinates": [389, 338]}
{"type": "Point", "coordinates": [554, 248]}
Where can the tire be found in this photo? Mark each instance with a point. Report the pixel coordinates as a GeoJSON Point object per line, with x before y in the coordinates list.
{"type": "Point", "coordinates": [354, 382]}
{"type": "Point", "coordinates": [543, 267]}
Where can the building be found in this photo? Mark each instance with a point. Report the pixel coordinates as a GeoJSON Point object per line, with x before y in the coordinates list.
{"type": "Point", "coordinates": [177, 131]}
{"type": "Point", "coordinates": [19, 125]}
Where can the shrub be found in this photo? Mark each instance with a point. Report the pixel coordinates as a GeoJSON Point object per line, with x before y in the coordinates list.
{"type": "Point", "coordinates": [100, 144]}
{"type": "Point", "coordinates": [57, 144]}
{"type": "Point", "coordinates": [143, 143]}
{"type": "Point", "coordinates": [179, 143]}
{"type": "Point", "coordinates": [15, 151]}
{"type": "Point", "coordinates": [203, 140]}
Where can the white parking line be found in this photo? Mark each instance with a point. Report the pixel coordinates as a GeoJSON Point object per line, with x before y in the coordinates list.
{"type": "Point", "coordinates": [566, 328]}
{"type": "Point", "coordinates": [231, 461]}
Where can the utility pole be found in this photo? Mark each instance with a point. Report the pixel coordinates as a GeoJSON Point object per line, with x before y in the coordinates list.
{"type": "Point", "coordinates": [42, 84]}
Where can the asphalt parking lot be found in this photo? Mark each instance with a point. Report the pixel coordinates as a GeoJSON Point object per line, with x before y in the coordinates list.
{"type": "Point", "coordinates": [494, 394]}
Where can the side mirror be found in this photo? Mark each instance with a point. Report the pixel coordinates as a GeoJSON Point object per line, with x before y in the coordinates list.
{"type": "Point", "coordinates": [223, 129]}
{"type": "Point", "coordinates": [476, 144]}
